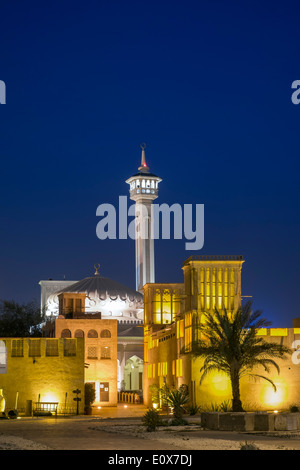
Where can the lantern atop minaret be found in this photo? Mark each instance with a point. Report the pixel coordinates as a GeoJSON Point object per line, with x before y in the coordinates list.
{"type": "Point", "coordinates": [143, 185]}
{"type": "Point", "coordinates": [143, 190]}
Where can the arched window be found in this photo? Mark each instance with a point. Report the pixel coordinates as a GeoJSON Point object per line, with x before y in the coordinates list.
{"type": "Point", "coordinates": [3, 357]}
{"type": "Point", "coordinates": [65, 334]}
{"type": "Point", "coordinates": [137, 183]}
{"type": "Point", "coordinates": [79, 334]}
{"type": "Point", "coordinates": [92, 334]}
{"type": "Point", "coordinates": [143, 183]}
{"type": "Point", "coordinates": [105, 334]}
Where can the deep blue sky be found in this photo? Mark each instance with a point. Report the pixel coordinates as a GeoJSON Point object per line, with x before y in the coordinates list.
{"type": "Point", "coordinates": [206, 84]}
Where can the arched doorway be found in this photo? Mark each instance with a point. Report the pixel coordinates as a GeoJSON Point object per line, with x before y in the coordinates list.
{"type": "Point", "coordinates": [133, 374]}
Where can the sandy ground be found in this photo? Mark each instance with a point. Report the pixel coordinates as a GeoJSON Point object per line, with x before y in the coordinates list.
{"type": "Point", "coordinates": [191, 437]}
{"type": "Point", "coordinates": [17, 443]}
{"type": "Point", "coordinates": [183, 436]}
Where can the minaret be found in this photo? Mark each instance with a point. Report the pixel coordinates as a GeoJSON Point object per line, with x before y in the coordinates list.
{"type": "Point", "coordinates": [143, 190]}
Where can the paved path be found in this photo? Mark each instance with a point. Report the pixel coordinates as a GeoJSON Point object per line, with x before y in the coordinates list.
{"type": "Point", "coordinates": [74, 434]}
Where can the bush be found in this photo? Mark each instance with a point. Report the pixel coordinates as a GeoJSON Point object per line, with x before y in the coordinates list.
{"type": "Point", "coordinates": [193, 409]}
{"type": "Point", "coordinates": [249, 446]}
{"type": "Point", "coordinates": [151, 419]}
{"type": "Point", "coordinates": [89, 394]}
{"type": "Point", "coordinates": [178, 422]}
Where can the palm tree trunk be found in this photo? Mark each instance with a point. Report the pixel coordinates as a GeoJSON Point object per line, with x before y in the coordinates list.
{"type": "Point", "coordinates": [235, 386]}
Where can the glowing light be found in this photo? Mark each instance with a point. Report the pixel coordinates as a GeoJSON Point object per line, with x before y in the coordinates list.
{"type": "Point", "coordinates": [275, 411]}
{"type": "Point", "coordinates": [219, 384]}
{"type": "Point", "coordinates": [273, 398]}
{"type": "Point", "coordinates": [125, 406]}
{"type": "Point", "coordinates": [155, 405]}
{"type": "Point", "coordinates": [50, 397]}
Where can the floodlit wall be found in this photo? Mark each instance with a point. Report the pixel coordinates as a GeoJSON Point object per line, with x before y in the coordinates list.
{"type": "Point", "coordinates": [101, 337]}
{"type": "Point", "coordinates": [42, 369]}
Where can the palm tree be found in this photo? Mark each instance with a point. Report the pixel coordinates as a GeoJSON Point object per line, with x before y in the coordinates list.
{"type": "Point", "coordinates": [228, 343]}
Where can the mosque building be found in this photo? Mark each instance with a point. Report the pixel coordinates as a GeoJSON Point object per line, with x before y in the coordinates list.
{"type": "Point", "coordinates": [72, 307]}
{"type": "Point", "coordinates": [116, 338]}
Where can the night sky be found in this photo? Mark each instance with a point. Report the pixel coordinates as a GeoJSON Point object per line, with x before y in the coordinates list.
{"type": "Point", "coordinates": [205, 84]}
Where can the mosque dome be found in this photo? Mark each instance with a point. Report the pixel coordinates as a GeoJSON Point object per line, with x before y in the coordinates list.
{"type": "Point", "coordinates": [103, 289]}
{"type": "Point", "coordinates": [106, 296]}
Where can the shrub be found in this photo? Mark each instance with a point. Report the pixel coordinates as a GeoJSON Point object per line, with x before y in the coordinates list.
{"type": "Point", "coordinates": [193, 409]}
{"type": "Point", "coordinates": [89, 394]}
{"type": "Point", "coordinates": [177, 399]}
{"type": "Point", "coordinates": [249, 446]}
{"type": "Point", "coordinates": [151, 419]}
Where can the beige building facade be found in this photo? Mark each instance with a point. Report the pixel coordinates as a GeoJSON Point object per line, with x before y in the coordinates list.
{"type": "Point", "coordinates": [38, 373]}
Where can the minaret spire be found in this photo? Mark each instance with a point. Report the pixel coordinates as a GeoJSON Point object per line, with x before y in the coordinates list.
{"type": "Point", "coordinates": [143, 190]}
{"type": "Point", "coordinates": [144, 167]}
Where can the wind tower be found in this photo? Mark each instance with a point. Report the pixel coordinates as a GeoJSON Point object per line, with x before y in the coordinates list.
{"type": "Point", "coordinates": [143, 190]}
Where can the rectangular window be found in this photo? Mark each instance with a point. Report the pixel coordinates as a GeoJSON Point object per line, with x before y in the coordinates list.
{"type": "Point", "coordinates": [69, 347]}
{"type": "Point", "coordinates": [178, 367]}
{"type": "Point", "coordinates": [17, 349]}
{"type": "Point", "coordinates": [51, 347]}
{"type": "Point", "coordinates": [92, 352]}
{"type": "Point", "coordinates": [146, 357]}
{"type": "Point", "coordinates": [105, 352]}
{"type": "Point", "coordinates": [34, 348]}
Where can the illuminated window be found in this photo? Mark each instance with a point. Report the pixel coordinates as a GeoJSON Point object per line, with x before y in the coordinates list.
{"type": "Point", "coordinates": [69, 347]}
{"type": "Point", "coordinates": [105, 352]}
{"type": "Point", "coordinates": [34, 347]}
{"type": "Point", "coordinates": [173, 367]}
{"type": "Point", "coordinates": [17, 348]}
{"type": "Point", "coordinates": [105, 334]}
{"type": "Point", "coordinates": [145, 352]}
{"type": "Point", "coordinates": [178, 367]}
{"type": "Point", "coordinates": [51, 347]}
{"type": "Point", "coordinates": [166, 314]}
{"type": "Point", "coordinates": [157, 307]}
{"type": "Point", "coordinates": [180, 329]}
{"type": "Point", "coordinates": [92, 334]}
{"type": "Point", "coordinates": [188, 339]}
